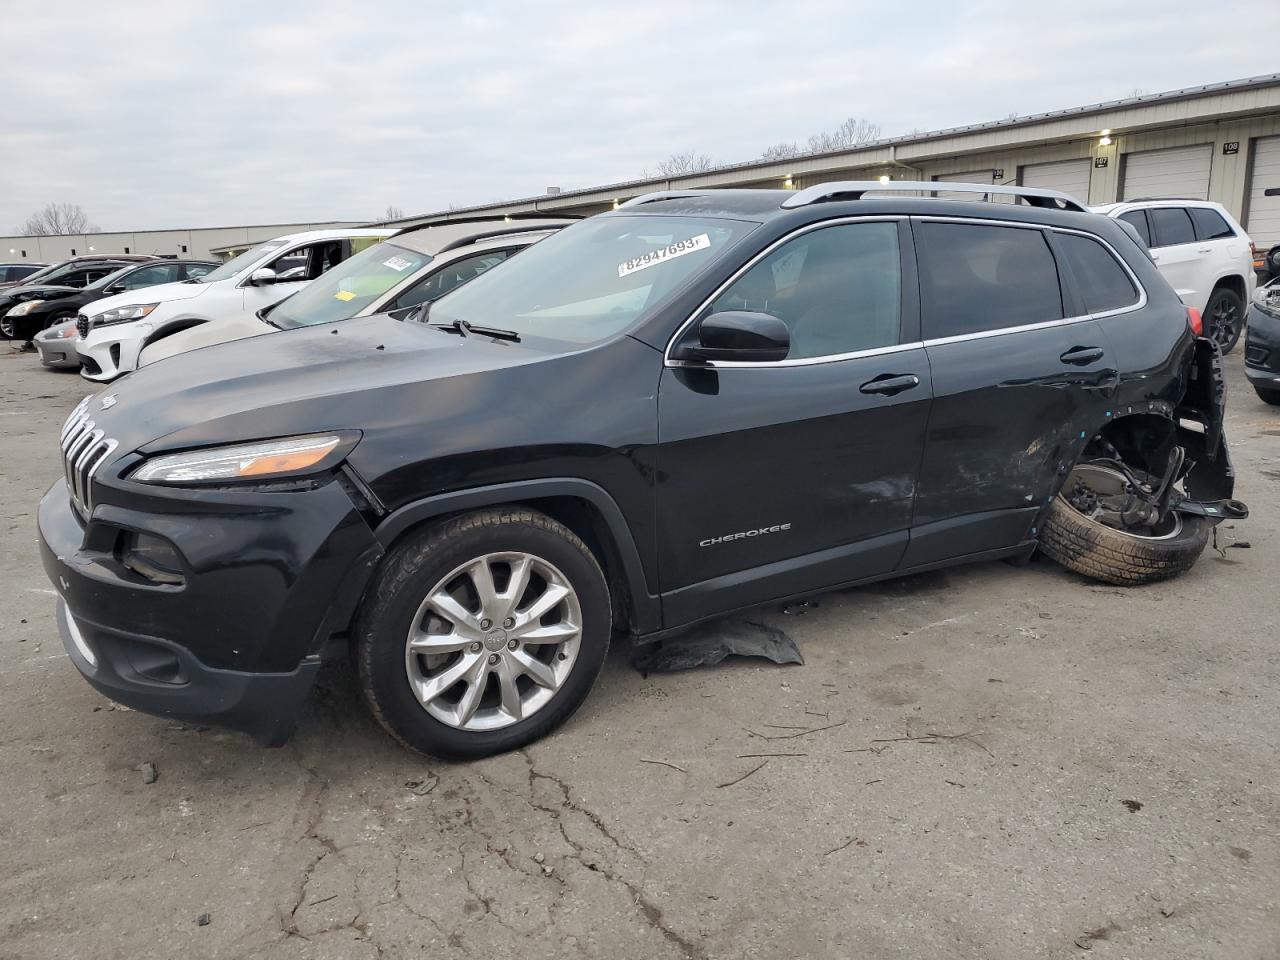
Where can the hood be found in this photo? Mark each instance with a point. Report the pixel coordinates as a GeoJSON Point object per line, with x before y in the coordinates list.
{"type": "Point", "coordinates": [160, 293]}
{"type": "Point", "coordinates": [350, 375]}
{"type": "Point", "coordinates": [39, 291]}
{"type": "Point", "coordinates": [238, 327]}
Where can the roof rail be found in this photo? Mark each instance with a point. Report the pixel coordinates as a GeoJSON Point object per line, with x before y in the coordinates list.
{"type": "Point", "coordinates": [486, 218]}
{"type": "Point", "coordinates": [854, 189]}
{"type": "Point", "coordinates": [662, 195]}
{"type": "Point", "coordinates": [512, 231]}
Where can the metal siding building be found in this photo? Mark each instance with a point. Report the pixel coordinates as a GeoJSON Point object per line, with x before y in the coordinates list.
{"type": "Point", "coordinates": [198, 243]}
{"type": "Point", "coordinates": [1220, 142]}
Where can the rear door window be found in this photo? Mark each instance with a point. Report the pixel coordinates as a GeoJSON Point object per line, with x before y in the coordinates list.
{"type": "Point", "coordinates": [1101, 281]}
{"type": "Point", "coordinates": [1138, 218]}
{"type": "Point", "coordinates": [1171, 226]}
{"type": "Point", "coordinates": [1209, 224]}
{"type": "Point", "coordinates": [975, 278]}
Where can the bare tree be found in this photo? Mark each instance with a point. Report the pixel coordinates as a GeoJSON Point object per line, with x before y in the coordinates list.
{"type": "Point", "coordinates": [1135, 93]}
{"type": "Point", "coordinates": [56, 219]}
{"type": "Point", "coordinates": [852, 133]}
{"type": "Point", "coordinates": [392, 213]}
{"type": "Point", "coordinates": [681, 164]}
{"type": "Point", "coordinates": [780, 151]}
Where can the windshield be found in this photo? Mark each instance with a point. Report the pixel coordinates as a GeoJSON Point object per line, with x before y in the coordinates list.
{"type": "Point", "coordinates": [236, 264]}
{"type": "Point", "coordinates": [591, 280]}
{"type": "Point", "coordinates": [110, 278]}
{"type": "Point", "coordinates": [349, 287]}
{"type": "Point", "coordinates": [39, 275]}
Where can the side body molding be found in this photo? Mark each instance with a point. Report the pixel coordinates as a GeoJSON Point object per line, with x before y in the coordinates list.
{"type": "Point", "coordinates": [646, 606]}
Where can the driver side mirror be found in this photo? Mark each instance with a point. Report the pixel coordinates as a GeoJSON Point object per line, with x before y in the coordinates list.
{"type": "Point", "coordinates": [263, 276]}
{"type": "Point", "coordinates": [736, 335]}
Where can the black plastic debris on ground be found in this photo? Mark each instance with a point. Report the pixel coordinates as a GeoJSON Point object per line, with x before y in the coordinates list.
{"type": "Point", "coordinates": [709, 643]}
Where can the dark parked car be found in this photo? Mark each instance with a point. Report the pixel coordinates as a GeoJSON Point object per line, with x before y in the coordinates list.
{"type": "Point", "coordinates": [1262, 343]}
{"type": "Point", "coordinates": [695, 404]}
{"type": "Point", "coordinates": [50, 304]}
{"type": "Point", "coordinates": [12, 274]}
{"type": "Point", "coordinates": [69, 275]}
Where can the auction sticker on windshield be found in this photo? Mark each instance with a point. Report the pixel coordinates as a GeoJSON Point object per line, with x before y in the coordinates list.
{"type": "Point", "coordinates": [398, 264]}
{"type": "Point", "coordinates": [663, 254]}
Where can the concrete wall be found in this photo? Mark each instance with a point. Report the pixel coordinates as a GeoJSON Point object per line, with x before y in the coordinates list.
{"type": "Point", "coordinates": [179, 243]}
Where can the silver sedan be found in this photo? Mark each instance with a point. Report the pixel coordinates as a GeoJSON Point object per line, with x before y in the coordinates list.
{"type": "Point", "coordinates": [57, 346]}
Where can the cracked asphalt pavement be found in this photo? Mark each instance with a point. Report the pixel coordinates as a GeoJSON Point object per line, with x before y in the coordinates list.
{"type": "Point", "coordinates": [991, 761]}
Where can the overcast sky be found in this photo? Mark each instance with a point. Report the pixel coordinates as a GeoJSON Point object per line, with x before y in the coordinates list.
{"type": "Point", "coordinates": [184, 114]}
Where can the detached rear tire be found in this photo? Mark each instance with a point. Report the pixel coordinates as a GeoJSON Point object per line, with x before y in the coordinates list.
{"type": "Point", "coordinates": [1100, 552]}
{"type": "Point", "coordinates": [482, 633]}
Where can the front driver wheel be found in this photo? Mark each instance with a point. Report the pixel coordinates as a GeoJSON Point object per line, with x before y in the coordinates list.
{"type": "Point", "coordinates": [483, 633]}
{"type": "Point", "coordinates": [1224, 318]}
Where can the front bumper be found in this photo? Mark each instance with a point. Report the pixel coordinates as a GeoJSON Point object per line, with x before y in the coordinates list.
{"type": "Point", "coordinates": [58, 353]}
{"type": "Point", "coordinates": [1262, 348]}
{"type": "Point", "coordinates": [237, 643]}
{"type": "Point", "coordinates": [110, 352]}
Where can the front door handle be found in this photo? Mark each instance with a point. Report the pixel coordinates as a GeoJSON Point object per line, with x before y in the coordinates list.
{"type": "Point", "coordinates": [890, 383]}
{"type": "Point", "coordinates": [1079, 356]}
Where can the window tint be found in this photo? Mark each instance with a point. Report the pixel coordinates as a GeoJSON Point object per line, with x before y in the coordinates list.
{"type": "Point", "coordinates": [149, 276]}
{"type": "Point", "coordinates": [1171, 225]}
{"type": "Point", "coordinates": [1139, 220]}
{"type": "Point", "coordinates": [1101, 281]}
{"type": "Point", "coordinates": [1209, 224]}
{"type": "Point", "coordinates": [451, 275]}
{"type": "Point", "coordinates": [838, 289]}
{"type": "Point", "coordinates": [975, 278]}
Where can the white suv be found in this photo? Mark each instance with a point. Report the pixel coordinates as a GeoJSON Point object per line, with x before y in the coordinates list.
{"type": "Point", "coordinates": [113, 331]}
{"type": "Point", "coordinates": [1204, 254]}
{"type": "Point", "coordinates": [416, 266]}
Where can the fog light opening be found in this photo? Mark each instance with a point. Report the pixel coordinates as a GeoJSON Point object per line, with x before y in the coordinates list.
{"type": "Point", "coordinates": [151, 557]}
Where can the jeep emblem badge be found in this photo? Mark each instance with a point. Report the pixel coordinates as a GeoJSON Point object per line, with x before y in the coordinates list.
{"type": "Point", "coordinates": [108, 401]}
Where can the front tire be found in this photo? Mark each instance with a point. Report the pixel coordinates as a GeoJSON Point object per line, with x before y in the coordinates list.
{"type": "Point", "coordinates": [1224, 318]}
{"type": "Point", "coordinates": [482, 633]}
{"type": "Point", "coordinates": [1101, 552]}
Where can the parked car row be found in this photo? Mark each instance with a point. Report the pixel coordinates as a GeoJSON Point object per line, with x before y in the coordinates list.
{"type": "Point", "coordinates": [474, 463]}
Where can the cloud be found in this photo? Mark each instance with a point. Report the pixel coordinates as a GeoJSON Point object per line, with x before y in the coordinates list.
{"type": "Point", "coordinates": [200, 115]}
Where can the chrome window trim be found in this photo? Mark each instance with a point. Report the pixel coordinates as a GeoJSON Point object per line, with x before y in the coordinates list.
{"type": "Point", "coordinates": [1139, 304]}
{"type": "Point", "coordinates": [799, 361]}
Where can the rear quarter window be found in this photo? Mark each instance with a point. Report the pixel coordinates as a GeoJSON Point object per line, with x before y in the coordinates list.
{"type": "Point", "coordinates": [1209, 224]}
{"type": "Point", "coordinates": [1138, 218]}
{"type": "Point", "coordinates": [1102, 283]}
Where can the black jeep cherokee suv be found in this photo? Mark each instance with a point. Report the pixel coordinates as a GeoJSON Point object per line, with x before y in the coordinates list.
{"type": "Point", "coordinates": [697, 403]}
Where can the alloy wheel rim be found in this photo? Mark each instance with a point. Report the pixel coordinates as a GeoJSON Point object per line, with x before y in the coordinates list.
{"type": "Point", "coordinates": [1224, 320]}
{"type": "Point", "coordinates": [1108, 481]}
{"type": "Point", "coordinates": [6, 327]}
{"type": "Point", "coordinates": [493, 641]}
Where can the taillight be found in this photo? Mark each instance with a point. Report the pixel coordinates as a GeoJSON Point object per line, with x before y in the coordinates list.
{"type": "Point", "coordinates": [1256, 254]}
{"type": "Point", "coordinates": [1195, 322]}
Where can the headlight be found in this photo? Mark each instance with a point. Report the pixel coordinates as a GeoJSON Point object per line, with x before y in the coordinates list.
{"type": "Point", "coordinates": [270, 458]}
{"type": "Point", "coordinates": [1267, 299]}
{"type": "Point", "coordinates": [123, 314]}
{"type": "Point", "coordinates": [22, 309]}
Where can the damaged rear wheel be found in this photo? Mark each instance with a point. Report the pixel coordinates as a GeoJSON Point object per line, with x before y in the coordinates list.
{"type": "Point", "coordinates": [1090, 529]}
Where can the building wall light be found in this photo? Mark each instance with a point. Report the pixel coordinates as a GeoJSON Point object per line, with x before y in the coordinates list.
{"type": "Point", "coordinates": [1104, 141]}
{"type": "Point", "coordinates": [787, 183]}
{"type": "Point", "coordinates": [884, 178]}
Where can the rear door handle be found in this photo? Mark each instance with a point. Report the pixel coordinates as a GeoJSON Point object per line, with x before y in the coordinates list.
{"type": "Point", "coordinates": [1205, 250]}
{"type": "Point", "coordinates": [1079, 356]}
{"type": "Point", "coordinates": [890, 383]}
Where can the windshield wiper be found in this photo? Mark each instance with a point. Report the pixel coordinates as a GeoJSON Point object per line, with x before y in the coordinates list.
{"type": "Point", "coordinates": [466, 329]}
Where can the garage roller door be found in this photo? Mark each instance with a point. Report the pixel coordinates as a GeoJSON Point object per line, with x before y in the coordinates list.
{"type": "Point", "coordinates": [1069, 176]}
{"type": "Point", "coordinates": [1176, 172]}
{"type": "Point", "coordinates": [971, 176]}
{"type": "Point", "coordinates": [1263, 221]}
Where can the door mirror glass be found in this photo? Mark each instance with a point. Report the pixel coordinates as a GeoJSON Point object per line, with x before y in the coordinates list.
{"type": "Point", "coordinates": [262, 277]}
{"type": "Point", "coordinates": [738, 335]}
